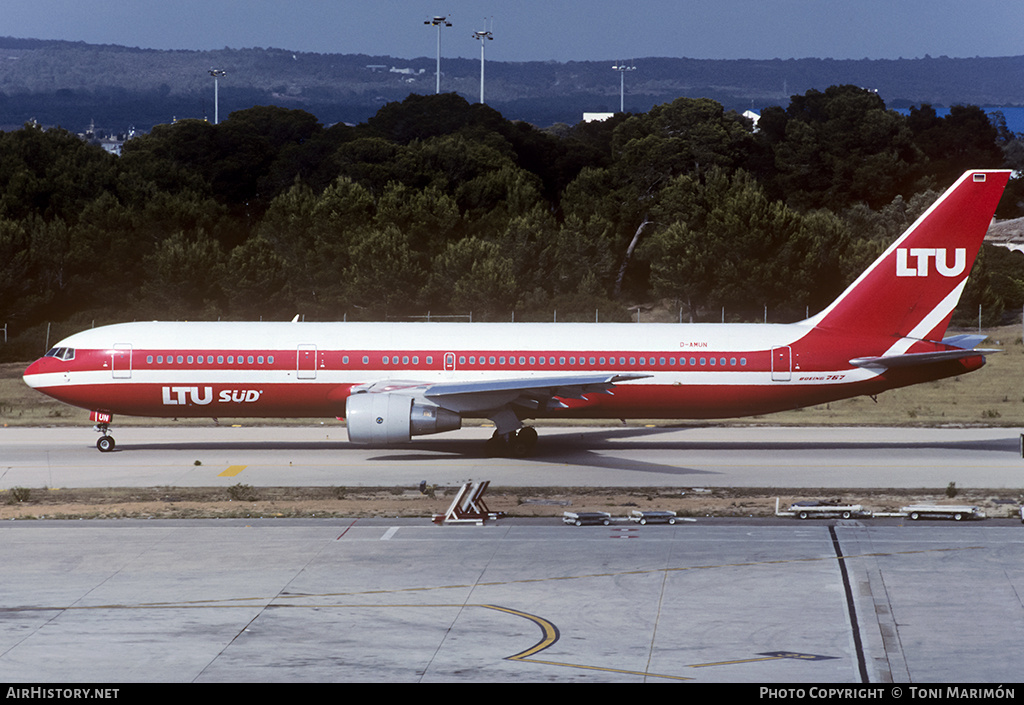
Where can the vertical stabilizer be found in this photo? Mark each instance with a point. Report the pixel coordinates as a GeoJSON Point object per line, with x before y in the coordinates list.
{"type": "Point", "coordinates": [911, 290]}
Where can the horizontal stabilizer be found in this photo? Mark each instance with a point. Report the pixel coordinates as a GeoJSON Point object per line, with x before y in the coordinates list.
{"type": "Point", "coordinates": [965, 342]}
{"type": "Point", "coordinates": [911, 359]}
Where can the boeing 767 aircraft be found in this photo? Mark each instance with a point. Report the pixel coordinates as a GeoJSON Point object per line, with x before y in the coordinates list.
{"type": "Point", "coordinates": [392, 381]}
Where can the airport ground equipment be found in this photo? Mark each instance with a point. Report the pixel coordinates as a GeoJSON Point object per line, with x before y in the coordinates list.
{"type": "Point", "coordinates": [816, 509]}
{"type": "Point", "coordinates": [653, 517]}
{"type": "Point", "coordinates": [957, 512]}
{"type": "Point", "coordinates": [468, 507]}
{"type": "Point", "coordinates": [581, 518]}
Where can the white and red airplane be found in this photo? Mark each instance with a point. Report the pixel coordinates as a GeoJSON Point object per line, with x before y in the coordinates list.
{"type": "Point", "coordinates": [392, 381]}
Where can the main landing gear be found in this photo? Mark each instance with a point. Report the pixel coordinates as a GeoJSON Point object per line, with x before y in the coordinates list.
{"type": "Point", "coordinates": [517, 444]}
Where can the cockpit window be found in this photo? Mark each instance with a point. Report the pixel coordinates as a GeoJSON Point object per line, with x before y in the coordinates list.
{"type": "Point", "coordinates": [61, 353]}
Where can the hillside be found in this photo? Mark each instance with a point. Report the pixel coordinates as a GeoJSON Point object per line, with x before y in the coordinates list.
{"type": "Point", "coordinates": [73, 83]}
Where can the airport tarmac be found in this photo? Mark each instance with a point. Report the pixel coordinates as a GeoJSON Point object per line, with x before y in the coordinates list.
{"type": "Point", "coordinates": [627, 456]}
{"type": "Point", "coordinates": [879, 601]}
{"type": "Point", "coordinates": [388, 601]}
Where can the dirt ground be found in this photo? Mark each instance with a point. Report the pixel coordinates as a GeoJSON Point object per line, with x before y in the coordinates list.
{"type": "Point", "coordinates": [244, 501]}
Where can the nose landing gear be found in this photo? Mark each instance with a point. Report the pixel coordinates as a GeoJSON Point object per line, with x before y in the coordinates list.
{"type": "Point", "coordinates": [105, 442]}
{"type": "Point", "coordinates": [103, 418]}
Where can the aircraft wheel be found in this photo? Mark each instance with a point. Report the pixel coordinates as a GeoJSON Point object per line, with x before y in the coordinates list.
{"type": "Point", "coordinates": [522, 442]}
{"type": "Point", "coordinates": [105, 444]}
{"type": "Point", "coordinates": [518, 448]}
{"type": "Point", "coordinates": [495, 446]}
{"type": "Point", "coordinates": [915, 516]}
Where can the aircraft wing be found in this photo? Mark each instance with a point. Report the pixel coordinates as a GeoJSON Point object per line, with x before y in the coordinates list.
{"type": "Point", "coordinates": [528, 392]}
{"type": "Point", "coordinates": [501, 400]}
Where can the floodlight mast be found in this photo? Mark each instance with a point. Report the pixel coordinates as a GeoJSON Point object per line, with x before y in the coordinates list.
{"type": "Point", "coordinates": [216, 73]}
{"type": "Point", "coordinates": [439, 22]}
{"type": "Point", "coordinates": [622, 69]}
{"type": "Point", "coordinates": [482, 35]}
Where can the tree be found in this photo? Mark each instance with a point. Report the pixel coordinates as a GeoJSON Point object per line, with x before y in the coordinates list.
{"type": "Point", "coordinates": [964, 139]}
{"type": "Point", "coordinates": [838, 147]}
{"type": "Point", "coordinates": [738, 249]}
{"type": "Point", "coordinates": [471, 276]}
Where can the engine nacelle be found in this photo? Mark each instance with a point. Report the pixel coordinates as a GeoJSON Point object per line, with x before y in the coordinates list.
{"type": "Point", "coordinates": [385, 418]}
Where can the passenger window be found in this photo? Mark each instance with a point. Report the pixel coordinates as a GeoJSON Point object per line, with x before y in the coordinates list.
{"type": "Point", "coordinates": [149, 359]}
{"type": "Point", "coordinates": [366, 360]}
{"type": "Point", "coordinates": [743, 361]}
{"type": "Point", "coordinates": [181, 359]}
{"type": "Point", "coordinates": [220, 359]}
{"type": "Point", "coordinates": [732, 361]}
{"type": "Point", "coordinates": [159, 359]}
{"type": "Point", "coordinates": [430, 359]}
{"type": "Point", "coordinates": [415, 359]}
{"type": "Point", "coordinates": [533, 360]}
{"type": "Point", "coordinates": [190, 359]}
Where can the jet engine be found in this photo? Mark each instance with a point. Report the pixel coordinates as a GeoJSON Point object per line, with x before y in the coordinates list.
{"type": "Point", "coordinates": [386, 418]}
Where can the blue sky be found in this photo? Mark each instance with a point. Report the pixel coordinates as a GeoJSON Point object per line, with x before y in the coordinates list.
{"type": "Point", "coordinates": [541, 30]}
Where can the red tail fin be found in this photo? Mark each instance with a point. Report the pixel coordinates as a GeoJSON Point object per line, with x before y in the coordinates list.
{"type": "Point", "coordinates": [912, 289]}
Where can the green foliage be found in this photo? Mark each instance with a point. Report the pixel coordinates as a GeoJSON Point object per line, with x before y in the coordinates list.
{"type": "Point", "coordinates": [439, 205]}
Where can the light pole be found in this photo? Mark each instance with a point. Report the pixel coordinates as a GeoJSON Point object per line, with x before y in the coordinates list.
{"type": "Point", "coordinates": [216, 73]}
{"type": "Point", "coordinates": [482, 35]}
{"type": "Point", "coordinates": [622, 69]}
{"type": "Point", "coordinates": [438, 22]}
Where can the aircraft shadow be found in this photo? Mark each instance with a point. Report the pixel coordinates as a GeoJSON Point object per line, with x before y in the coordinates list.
{"type": "Point", "coordinates": [585, 448]}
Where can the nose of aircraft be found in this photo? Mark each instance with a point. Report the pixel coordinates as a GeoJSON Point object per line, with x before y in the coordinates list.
{"type": "Point", "coordinates": [32, 372]}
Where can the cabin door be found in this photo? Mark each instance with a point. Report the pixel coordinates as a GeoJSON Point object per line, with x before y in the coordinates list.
{"type": "Point", "coordinates": [121, 361]}
{"type": "Point", "coordinates": [782, 364]}
{"type": "Point", "coordinates": [305, 364]}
